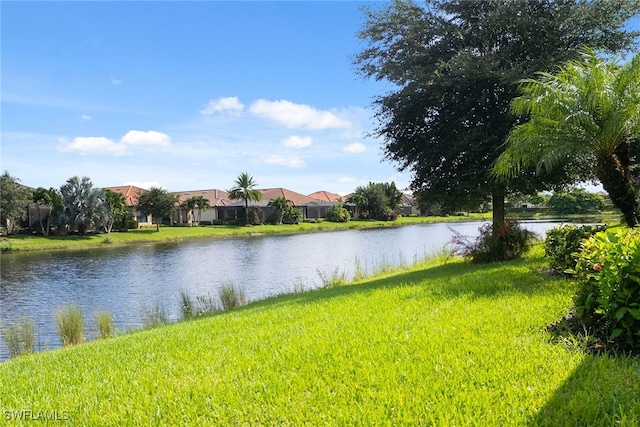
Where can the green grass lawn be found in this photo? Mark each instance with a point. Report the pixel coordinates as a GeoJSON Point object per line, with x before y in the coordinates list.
{"type": "Point", "coordinates": [440, 344]}
{"type": "Point", "coordinates": [166, 234]}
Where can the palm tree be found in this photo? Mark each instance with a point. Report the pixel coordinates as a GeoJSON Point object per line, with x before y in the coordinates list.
{"type": "Point", "coordinates": [359, 201]}
{"type": "Point", "coordinates": [586, 114]}
{"type": "Point", "coordinates": [202, 204]}
{"type": "Point", "coordinates": [196, 202]}
{"type": "Point", "coordinates": [83, 203]}
{"type": "Point", "coordinates": [189, 205]}
{"type": "Point", "coordinates": [51, 199]}
{"type": "Point", "coordinates": [244, 189]}
{"type": "Point", "coordinates": [281, 205]}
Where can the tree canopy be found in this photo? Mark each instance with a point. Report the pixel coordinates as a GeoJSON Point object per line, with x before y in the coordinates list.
{"type": "Point", "coordinates": [157, 202]}
{"type": "Point", "coordinates": [586, 115]}
{"type": "Point", "coordinates": [452, 65]}
{"type": "Point", "coordinates": [15, 199]}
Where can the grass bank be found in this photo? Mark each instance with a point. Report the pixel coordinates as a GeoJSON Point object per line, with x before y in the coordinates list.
{"type": "Point", "coordinates": [169, 234]}
{"type": "Point", "coordinates": [445, 344]}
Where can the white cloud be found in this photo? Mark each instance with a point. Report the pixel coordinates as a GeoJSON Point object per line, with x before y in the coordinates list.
{"type": "Point", "coordinates": [292, 161]}
{"type": "Point", "coordinates": [85, 117]}
{"type": "Point", "coordinates": [298, 115]}
{"type": "Point", "coordinates": [298, 141]}
{"type": "Point", "coordinates": [150, 138]}
{"type": "Point", "coordinates": [93, 145]}
{"type": "Point", "coordinates": [221, 105]}
{"type": "Point", "coordinates": [356, 147]}
{"type": "Point", "coordinates": [104, 145]}
{"type": "Point", "coordinates": [116, 82]}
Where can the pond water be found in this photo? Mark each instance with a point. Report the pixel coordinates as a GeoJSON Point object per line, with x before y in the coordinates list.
{"type": "Point", "coordinates": [126, 280]}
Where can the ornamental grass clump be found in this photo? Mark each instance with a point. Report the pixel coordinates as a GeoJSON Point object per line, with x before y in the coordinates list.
{"type": "Point", "coordinates": [69, 323]}
{"type": "Point", "coordinates": [104, 323]}
{"type": "Point", "coordinates": [19, 336]}
{"type": "Point", "coordinates": [608, 300]}
{"type": "Point", "coordinates": [153, 317]}
{"type": "Point", "coordinates": [231, 296]}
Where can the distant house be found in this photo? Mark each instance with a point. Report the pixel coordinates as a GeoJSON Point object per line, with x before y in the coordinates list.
{"type": "Point", "coordinates": [325, 196]}
{"type": "Point", "coordinates": [131, 194]}
{"type": "Point", "coordinates": [305, 204]}
{"type": "Point", "coordinates": [324, 200]}
{"type": "Point", "coordinates": [408, 205]}
{"type": "Point", "coordinates": [217, 199]}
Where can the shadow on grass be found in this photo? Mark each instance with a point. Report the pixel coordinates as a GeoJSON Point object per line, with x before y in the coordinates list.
{"type": "Point", "coordinates": [448, 280]}
{"type": "Point", "coordinates": [601, 391]}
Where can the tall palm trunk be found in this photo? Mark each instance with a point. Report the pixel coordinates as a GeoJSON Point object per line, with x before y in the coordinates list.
{"type": "Point", "coordinates": [613, 173]}
{"type": "Point", "coordinates": [497, 201]}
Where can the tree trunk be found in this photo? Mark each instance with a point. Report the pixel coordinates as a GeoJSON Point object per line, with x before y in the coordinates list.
{"type": "Point", "coordinates": [497, 200]}
{"type": "Point", "coordinates": [616, 180]}
{"type": "Point", "coordinates": [40, 220]}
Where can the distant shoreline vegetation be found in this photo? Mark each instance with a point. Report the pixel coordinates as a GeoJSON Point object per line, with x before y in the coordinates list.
{"type": "Point", "coordinates": [31, 243]}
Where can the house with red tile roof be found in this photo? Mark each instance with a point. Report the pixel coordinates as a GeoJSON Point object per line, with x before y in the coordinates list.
{"type": "Point", "coordinates": [131, 194]}
{"type": "Point", "coordinates": [325, 196]}
{"type": "Point", "coordinates": [309, 206]}
{"type": "Point", "coordinates": [217, 199]}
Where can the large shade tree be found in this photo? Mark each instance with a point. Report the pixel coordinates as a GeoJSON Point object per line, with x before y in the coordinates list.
{"type": "Point", "coordinates": [158, 203]}
{"type": "Point", "coordinates": [14, 200]}
{"type": "Point", "coordinates": [244, 188]}
{"type": "Point", "coordinates": [586, 113]}
{"type": "Point", "coordinates": [452, 64]}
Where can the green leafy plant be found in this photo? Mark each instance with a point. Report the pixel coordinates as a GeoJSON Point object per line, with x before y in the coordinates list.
{"type": "Point", "coordinates": [509, 242]}
{"type": "Point", "coordinates": [70, 326]}
{"type": "Point", "coordinates": [564, 242]}
{"type": "Point", "coordinates": [337, 213]}
{"type": "Point", "coordinates": [608, 299]}
{"type": "Point", "coordinates": [19, 336]}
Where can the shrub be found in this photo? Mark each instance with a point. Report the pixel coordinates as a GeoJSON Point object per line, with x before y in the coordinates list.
{"type": "Point", "coordinates": [563, 244]}
{"type": "Point", "coordinates": [388, 214]}
{"type": "Point", "coordinates": [292, 215]}
{"type": "Point", "coordinates": [509, 242]}
{"type": "Point", "coordinates": [608, 299]}
{"type": "Point", "coordinates": [104, 322]}
{"type": "Point", "coordinates": [70, 326]}
{"type": "Point", "coordinates": [337, 213]}
{"type": "Point", "coordinates": [19, 337]}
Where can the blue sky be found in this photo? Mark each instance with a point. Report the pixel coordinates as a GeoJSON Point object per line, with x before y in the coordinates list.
{"type": "Point", "coordinates": [186, 95]}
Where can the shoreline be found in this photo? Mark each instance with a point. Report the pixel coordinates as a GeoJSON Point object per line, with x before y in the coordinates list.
{"type": "Point", "coordinates": [23, 243]}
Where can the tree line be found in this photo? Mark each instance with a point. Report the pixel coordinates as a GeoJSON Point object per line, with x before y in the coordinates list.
{"type": "Point", "coordinates": [79, 207]}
